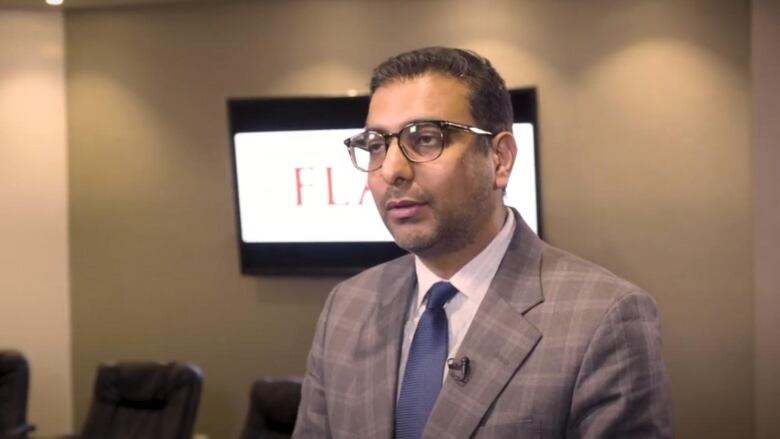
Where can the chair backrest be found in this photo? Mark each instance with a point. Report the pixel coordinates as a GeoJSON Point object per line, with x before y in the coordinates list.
{"type": "Point", "coordinates": [273, 407]}
{"type": "Point", "coordinates": [14, 387]}
{"type": "Point", "coordinates": [144, 400]}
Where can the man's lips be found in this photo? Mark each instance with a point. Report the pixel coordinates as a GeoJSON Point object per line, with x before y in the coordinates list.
{"type": "Point", "coordinates": [403, 209]}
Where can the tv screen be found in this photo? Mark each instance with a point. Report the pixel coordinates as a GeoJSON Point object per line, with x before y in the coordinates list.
{"type": "Point", "coordinates": [302, 208]}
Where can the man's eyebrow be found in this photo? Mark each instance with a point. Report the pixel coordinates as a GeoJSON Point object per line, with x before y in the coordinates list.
{"type": "Point", "coordinates": [386, 130]}
{"type": "Point", "coordinates": [376, 128]}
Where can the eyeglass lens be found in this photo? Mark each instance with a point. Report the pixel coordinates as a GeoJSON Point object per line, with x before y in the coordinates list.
{"type": "Point", "coordinates": [420, 142]}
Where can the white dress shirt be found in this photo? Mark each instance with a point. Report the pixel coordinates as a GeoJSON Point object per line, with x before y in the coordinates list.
{"type": "Point", "coordinates": [472, 282]}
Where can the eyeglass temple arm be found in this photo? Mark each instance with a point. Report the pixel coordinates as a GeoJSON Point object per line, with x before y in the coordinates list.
{"type": "Point", "coordinates": [468, 128]}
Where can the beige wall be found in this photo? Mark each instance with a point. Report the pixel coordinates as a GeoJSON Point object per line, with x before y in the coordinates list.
{"type": "Point", "coordinates": [765, 69]}
{"type": "Point", "coordinates": [645, 149]}
{"type": "Point", "coordinates": [34, 293]}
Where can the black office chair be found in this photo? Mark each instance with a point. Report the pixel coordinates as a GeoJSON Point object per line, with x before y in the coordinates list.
{"type": "Point", "coordinates": [273, 408]}
{"type": "Point", "coordinates": [144, 401]}
{"type": "Point", "coordinates": [14, 387]}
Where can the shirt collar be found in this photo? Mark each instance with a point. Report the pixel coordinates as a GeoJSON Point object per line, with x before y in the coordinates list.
{"type": "Point", "coordinates": [481, 268]}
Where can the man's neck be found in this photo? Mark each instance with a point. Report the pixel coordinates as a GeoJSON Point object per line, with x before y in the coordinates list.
{"type": "Point", "coordinates": [446, 263]}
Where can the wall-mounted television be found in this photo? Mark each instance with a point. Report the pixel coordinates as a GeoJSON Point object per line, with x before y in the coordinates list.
{"type": "Point", "coordinates": [303, 209]}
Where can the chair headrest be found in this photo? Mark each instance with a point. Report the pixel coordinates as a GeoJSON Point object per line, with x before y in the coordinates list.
{"type": "Point", "coordinates": [148, 384]}
{"type": "Point", "coordinates": [12, 361]}
{"type": "Point", "coordinates": [276, 401]}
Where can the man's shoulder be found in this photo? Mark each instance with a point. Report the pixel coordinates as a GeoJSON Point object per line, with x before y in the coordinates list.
{"type": "Point", "coordinates": [368, 285]}
{"type": "Point", "coordinates": [579, 297]}
{"type": "Point", "coordinates": [560, 276]}
{"type": "Point", "coordinates": [567, 277]}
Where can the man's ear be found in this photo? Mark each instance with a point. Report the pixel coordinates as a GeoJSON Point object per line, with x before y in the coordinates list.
{"type": "Point", "coordinates": [503, 152]}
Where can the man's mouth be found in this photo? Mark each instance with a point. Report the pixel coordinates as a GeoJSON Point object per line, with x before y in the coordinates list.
{"type": "Point", "coordinates": [402, 209]}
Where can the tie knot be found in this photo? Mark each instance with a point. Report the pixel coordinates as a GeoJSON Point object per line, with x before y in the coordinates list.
{"type": "Point", "coordinates": [439, 294]}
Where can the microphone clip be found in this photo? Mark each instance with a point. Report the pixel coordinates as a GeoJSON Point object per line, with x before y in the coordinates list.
{"type": "Point", "coordinates": [460, 369]}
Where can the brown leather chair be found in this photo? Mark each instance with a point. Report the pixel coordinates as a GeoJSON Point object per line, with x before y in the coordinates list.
{"type": "Point", "coordinates": [14, 388]}
{"type": "Point", "coordinates": [144, 401]}
{"type": "Point", "coordinates": [273, 408]}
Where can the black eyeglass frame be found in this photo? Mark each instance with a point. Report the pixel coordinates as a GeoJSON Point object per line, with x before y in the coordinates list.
{"type": "Point", "coordinates": [442, 124]}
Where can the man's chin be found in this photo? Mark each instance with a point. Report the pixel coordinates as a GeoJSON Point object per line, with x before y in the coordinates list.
{"type": "Point", "coordinates": [412, 241]}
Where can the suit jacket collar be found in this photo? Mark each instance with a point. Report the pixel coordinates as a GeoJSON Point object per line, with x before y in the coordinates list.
{"type": "Point", "coordinates": [518, 279]}
{"type": "Point", "coordinates": [498, 340]}
{"type": "Point", "coordinates": [381, 343]}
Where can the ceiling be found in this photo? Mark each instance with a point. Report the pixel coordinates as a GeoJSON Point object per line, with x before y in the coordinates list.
{"type": "Point", "coordinates": [86, 4]}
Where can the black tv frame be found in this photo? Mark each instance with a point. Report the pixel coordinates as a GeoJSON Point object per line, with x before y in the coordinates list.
{"type": "Point", "coordinates": [311, 113]}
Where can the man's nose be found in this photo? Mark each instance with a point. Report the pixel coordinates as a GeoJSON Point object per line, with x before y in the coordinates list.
{"type": "Point", "coordinates": [395, 168]}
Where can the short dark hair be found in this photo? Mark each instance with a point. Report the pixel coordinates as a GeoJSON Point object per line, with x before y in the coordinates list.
{"type": "Point", "coordinates": [489, 99]}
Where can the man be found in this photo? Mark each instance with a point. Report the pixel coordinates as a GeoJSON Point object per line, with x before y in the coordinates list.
{"type": "Point", "coordinates": [540, 343]}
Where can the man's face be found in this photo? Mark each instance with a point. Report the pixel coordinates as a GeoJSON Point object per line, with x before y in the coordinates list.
{"type": "Point", "coordinates": [442, 205]}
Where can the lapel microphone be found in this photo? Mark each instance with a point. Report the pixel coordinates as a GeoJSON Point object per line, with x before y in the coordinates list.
{"type": "Point", "coordinates": [459, 369]}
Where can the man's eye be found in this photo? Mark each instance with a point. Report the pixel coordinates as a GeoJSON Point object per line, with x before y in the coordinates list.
{"type": "Point", "coordinates": [375, 147]}
{"type": "Point", "coordinates": [427, 139]}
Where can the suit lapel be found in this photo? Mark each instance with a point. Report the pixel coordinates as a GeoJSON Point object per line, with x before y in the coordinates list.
{"type": "Point", "coordinates": [381, 346]}
{"type": "Point", "coordinates": [497, 342]}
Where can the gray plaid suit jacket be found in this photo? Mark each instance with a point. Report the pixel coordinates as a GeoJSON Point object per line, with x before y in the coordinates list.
{"type": "Point", "coordinates": [559, 348]}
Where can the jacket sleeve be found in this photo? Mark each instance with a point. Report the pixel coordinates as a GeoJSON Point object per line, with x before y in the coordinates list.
{"type": "Point", "coordinates": [622, 389]}
{"type": "Point", "coordinates": [312, 420]}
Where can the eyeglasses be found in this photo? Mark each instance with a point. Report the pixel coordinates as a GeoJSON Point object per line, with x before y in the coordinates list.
{"type": "Point", "coordinates": [420, 141]}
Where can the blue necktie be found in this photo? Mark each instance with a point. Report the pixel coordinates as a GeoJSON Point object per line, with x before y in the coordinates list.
{"type": "Point", "coordinates": [425, 365]}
